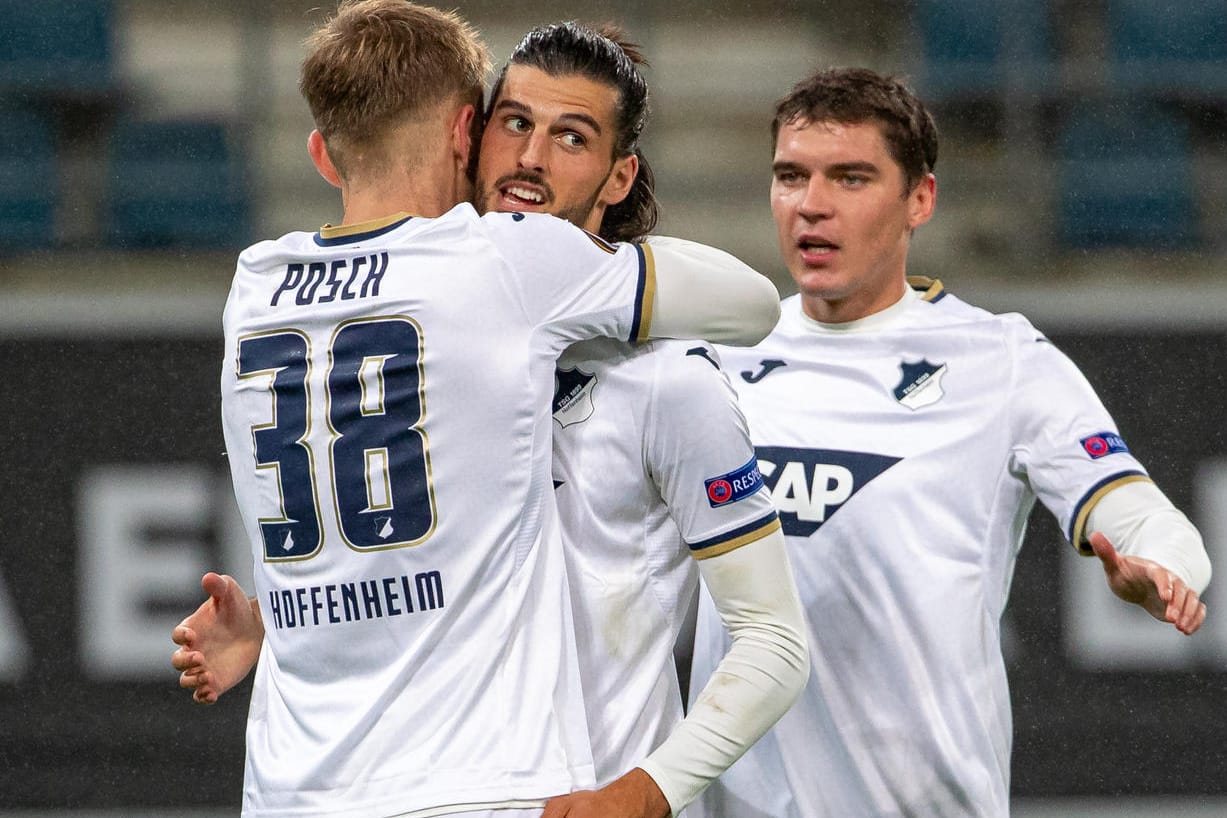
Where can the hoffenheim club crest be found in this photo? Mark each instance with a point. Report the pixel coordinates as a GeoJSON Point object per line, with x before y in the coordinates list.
{"type": "Point", "coordinates": [572, 396]}
{"type": "Point", "coordinates": [921, 384]}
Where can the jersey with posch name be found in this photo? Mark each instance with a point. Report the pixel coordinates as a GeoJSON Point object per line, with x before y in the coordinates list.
{"type": "Point", "coordinates": [904, 453]}
{"type": "Point", "coordinates": [653, 469]}
{"type": "Point", "coordinates": [386, 401]}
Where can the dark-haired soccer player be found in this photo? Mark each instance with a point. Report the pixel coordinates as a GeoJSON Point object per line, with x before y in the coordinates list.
{"type": "Point", "coordinates": [905, 436]}
{"type": "Point", "coordinates": [654, 469]}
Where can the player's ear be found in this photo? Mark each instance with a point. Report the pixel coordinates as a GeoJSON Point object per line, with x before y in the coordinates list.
{"type": "Point", "coordinates": [321, 159]}
{"type": "Point", "coordinates": [620, 181]}
{"type": "Point", "coordinates": [466, 130]}
{"type": "Point", "coordinates": [921, 201]}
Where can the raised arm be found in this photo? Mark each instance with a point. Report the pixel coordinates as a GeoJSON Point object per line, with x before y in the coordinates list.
{"type": "Point", "coordinates": [702, 292]}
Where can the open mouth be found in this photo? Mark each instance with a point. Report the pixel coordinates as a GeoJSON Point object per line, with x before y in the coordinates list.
{"type": "Point", "coordinates": [816, 246]}
{"type": "Point", "coordinates": [519, 194]}
{"type": "Point", "coordinates": [523, 194]}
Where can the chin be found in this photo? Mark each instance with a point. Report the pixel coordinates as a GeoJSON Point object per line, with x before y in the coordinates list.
{"type": "Point", "coordinates": [820, 284]}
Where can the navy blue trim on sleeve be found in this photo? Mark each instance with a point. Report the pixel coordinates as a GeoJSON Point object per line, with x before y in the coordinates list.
{"type": "Point", "coordinates": [640, 287]}
{"type": "Point", "coordinates": [737, 533]}
{"type": "Point", "coordinates": [1091, 492]}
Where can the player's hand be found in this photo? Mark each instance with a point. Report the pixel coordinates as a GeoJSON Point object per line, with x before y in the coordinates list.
{"type": "Point", "coordinates": [1164, 595]}
{"type": "Point", "coordinates": [634, 795]}
{"type": "Point", "coordinates": [219, 643]}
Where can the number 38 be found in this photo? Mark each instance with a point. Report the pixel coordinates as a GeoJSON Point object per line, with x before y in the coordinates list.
{"type": "Point", "coordinates": [378, 456]}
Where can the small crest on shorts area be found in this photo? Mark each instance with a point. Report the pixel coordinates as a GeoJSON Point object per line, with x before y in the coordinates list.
{"type": "Point", "coordinates": [921, 384]}
{"type": "Point", "coordinates": [573, 396]}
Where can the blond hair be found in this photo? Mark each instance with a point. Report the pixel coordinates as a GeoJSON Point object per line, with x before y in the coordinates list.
{"type": "Point", "coordinates": [379, 63]}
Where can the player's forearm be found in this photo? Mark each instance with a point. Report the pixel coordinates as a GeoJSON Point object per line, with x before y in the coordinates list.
{"type": "Point", "coordinates": [1142, 522]}
{"type": "Point", "coordinates": [758, 679]}
{"type": "Point", "coordinates": [702, 292]}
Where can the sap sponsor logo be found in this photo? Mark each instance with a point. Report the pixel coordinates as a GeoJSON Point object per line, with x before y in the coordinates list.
{"type": "Point", "coordinates": [734, 486]}
{"type": "Point", "coordinates": [1102, 444]}
{"type": "Point", "coordinates": [810, 485]}
{"type": "Point", "coordinates": [920, 384]}
{"type": "Point", "coordinates": [573, 396]}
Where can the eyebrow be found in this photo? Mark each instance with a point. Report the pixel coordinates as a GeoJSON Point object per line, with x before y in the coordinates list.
{"type": "Point", "coordinates": [840, 167]}
{"type": "Point", "coordinates": [514, 106]}
{"type": "Point", "coordinates": [854, 167]}
{"type": "Point", "coordinates": [783, 166]}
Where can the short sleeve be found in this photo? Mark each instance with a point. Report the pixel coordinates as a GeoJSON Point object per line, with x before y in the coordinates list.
{"type": "Point", "coordinates": [574, 281]}
{"type": "Point", "coordinates": [1064, 441]}
{"type": "Point", "coordinates": [701, 457]}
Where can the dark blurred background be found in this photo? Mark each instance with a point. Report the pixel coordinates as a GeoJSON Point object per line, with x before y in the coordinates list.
{"type": "Point", "coordinates": [143, 143]}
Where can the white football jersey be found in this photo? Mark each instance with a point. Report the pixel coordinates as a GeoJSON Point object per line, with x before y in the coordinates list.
{"type": "Point", "coordinates": [653, 469]}
{"type": "Point", "coordinates": [904, 453]}
{"type": "Point", "coordinates": [386, 403]}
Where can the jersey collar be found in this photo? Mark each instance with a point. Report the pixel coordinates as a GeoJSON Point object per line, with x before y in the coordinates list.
{"type": "Point", "coordinates": [878, 320]}
{"type": "Point", "coordinates": [345, 234]}
{"type": "Point", "coordinates": [919, 288]}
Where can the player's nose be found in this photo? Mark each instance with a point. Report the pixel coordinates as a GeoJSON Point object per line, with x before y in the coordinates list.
{"type": "Point", "coordinates": [534, 152]}
{"type": "Point", "coordinates": [816, 201]}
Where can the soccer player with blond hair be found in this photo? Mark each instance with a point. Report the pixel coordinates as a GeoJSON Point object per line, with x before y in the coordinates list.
{"type": "Point", "coordinates": [385, 401]}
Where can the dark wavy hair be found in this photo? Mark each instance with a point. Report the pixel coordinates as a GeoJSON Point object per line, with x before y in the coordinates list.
{"type": "Point", "coordinates": [604, 55]}
{"type": "Point", "coordinates": [854, 95]}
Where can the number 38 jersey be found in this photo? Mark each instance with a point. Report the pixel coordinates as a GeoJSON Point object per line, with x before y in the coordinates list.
{"type": "Point", "coordinates": [904, 453]}
{"type": "Point", "coordinates": [386, 403]}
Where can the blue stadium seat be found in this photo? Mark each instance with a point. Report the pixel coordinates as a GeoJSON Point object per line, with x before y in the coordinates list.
{"type": "Point", "coordinates": [176, 184]}
{"type": "Point", "coordinates": [975, 50]}
{"type": "Point", "coordinates": [1127, 178]}
{"type": "Point", "coordinates": [29, 181]}
{"type": "Point", "coordinates": [55, 47]}
{"type": "Point", "coordinates": [1178, 46]}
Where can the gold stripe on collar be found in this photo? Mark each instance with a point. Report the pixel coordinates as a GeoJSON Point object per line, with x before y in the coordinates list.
{"type": "Point", "coordinates": [929, 288]}
{"type": "Point", "coordinates": [329, 231]}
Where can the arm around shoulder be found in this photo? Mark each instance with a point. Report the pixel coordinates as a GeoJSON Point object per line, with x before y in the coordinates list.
{"type": "Point", "coordinates": [702, 292]}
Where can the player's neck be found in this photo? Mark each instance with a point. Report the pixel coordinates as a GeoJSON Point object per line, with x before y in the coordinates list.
{"type": "Point", "coordinates": [427, 182]}
{"type": "Point", "coordinates": [854, 307]}
{"type": "Point", "coordinates": [428, 195]}
{"type": "Point", "coordinates": [874, 322]}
